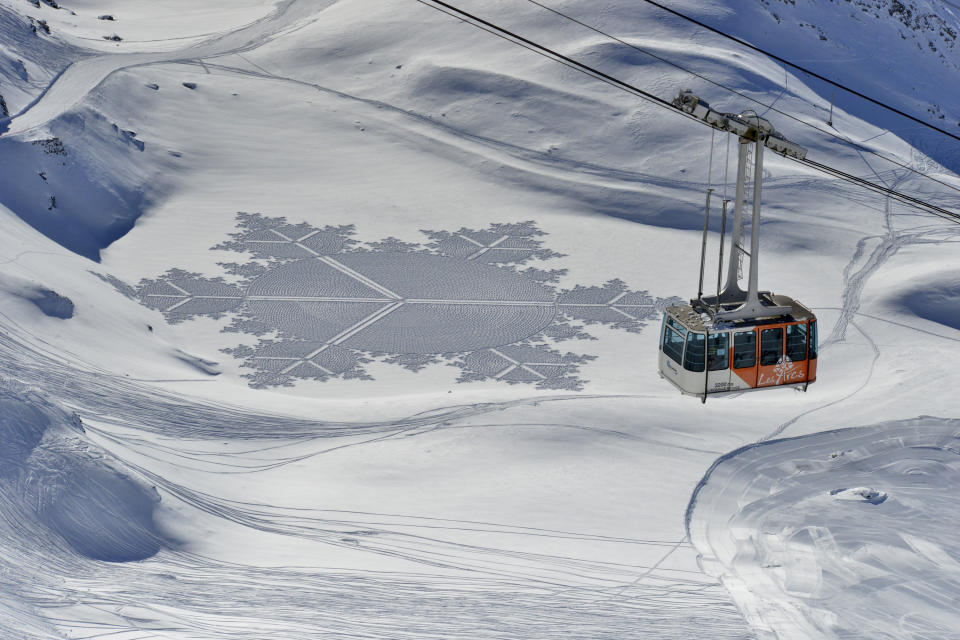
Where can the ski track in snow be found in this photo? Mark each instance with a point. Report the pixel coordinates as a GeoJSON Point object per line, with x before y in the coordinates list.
{"type": "Point", "coordinates": [527, 164]}
{"type": "Point", "coordinates": [497, 593]}
{"type": "Point", "coordinates": [837, 534]}
{"type": "Point", "coordinates": [854, 282]}
{"type": "Point", "coordinates": [575, 176]}
{"type": "Point", "coordinates": [72, 84]}
{"type": "Point", "coordinates": [460, 590]}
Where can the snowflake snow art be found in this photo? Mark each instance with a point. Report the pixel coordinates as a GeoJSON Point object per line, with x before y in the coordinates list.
{"type": "Point", "coordinates": [324, 304]}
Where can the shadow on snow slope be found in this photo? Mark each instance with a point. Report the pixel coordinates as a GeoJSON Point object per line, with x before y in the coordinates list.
{"type": "Point", "coordinates": [82, 187]}
{"type": "Point", "coordinates": [938, 301]}
{"type": "Point", "coordinates": [51, 472]}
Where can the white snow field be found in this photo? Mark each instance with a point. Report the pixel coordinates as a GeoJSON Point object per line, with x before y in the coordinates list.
{"type": "Point", "coordinates": [839, 533]}
{"type": "Point", "coordinates": [339, 319]}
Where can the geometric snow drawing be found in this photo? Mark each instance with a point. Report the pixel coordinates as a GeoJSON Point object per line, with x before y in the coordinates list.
{"type": "Point", "coordinates": [324, 304]}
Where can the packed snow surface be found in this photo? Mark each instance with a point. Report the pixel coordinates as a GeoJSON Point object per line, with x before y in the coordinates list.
{"type": "Point", "coordinates": [339, 319]}
{"type": "Point", "coordinates": [809, 551]}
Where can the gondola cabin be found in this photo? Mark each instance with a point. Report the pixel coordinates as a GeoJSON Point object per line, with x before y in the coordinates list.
{"type": "Point", "coordinates": [701, 355]}
{"type": "Point", "coordinates": [738, 339]}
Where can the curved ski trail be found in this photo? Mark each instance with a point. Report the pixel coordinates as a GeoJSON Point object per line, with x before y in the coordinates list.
{"type": "Point", "coordinates": [72, 84]}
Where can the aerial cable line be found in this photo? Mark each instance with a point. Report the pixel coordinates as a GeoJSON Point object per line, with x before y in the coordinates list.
{"type": "Point", "coordinates": [741, 94]}
{"type": "Point", "coordinates": [803, 69]}
{"type": "Point", "coordinates": [940, 212]}
{"type": "Point", "coordinates": [542, 50]}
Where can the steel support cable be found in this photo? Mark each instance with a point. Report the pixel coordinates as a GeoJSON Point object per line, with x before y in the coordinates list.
{"type": "Point", "coordinates": [741, 94]}
{"type": "Point", "coordinates": [542, 50]}
{"type": "Point", "coordinates": [803, 69]}
{"type": "Point", "coordinates": [887, 191]}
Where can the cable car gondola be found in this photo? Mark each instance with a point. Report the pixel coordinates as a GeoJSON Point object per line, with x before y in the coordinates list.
{"type": "Point", "coordinates": [738, 340]}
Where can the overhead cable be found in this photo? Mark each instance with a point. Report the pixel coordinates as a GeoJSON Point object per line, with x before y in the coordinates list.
{"type": "Point", "coordinates": [770, 107]}
{"type": "Point", "coordinates": [542, 50]}
{"type": "Point", "coordinates": [803, 69]}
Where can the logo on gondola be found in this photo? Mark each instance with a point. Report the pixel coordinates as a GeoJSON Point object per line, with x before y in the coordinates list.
{"type": "Point", "coordinates": [784, 372]}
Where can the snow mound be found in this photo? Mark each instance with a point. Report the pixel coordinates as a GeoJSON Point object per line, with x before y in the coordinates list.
{"type": "Point", "coordinates": [208, 367]}
{"type": "Point", "coordinates": [66, 490]}
{"type": "Point", "coordinates": [52, 303]}
{"type": "Point", "coordinates": [21, 428]}
{"type": "Point", "coordinates": [860, 494]}
{"type": "Point", "coordinates": [805, 559]}
{"type": "Point", "coordinates": [101, 513]}
{"type": "Point", "coordinates": [43, 298]}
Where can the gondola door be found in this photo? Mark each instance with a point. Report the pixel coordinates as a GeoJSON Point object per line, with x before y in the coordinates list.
{"type": "Point", "coordinates": [783, 354]}
{"type": "Point", "coordinates": [771, 354]}
{"type": "Point", "coordinates": [743, 373]}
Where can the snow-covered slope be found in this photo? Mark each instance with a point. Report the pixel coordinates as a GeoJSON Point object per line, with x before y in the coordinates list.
{"type": "Point", "coordinates": [840, 533]}
{"type": "Point", "coordinates": [338, 319]}
{"type": "Point", "coordinates": [903, 53]}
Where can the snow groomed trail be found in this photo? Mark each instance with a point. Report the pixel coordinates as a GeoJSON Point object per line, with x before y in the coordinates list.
{"type": "Point", "coordinates": [69, 87]}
